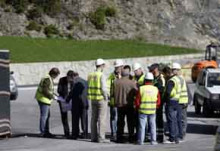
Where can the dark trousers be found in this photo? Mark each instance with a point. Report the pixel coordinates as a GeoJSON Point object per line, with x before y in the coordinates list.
{"type": "Point", "coordinates": [79, 114]}
{"type": "Point", "coordinates": [160, 124]}
{"type": "Point", "coordinates": [64, 118]}
{"type": "Point", "coordinates": [136, 123]}
{"type": "Point", "coordinates": [129, 113]}
{"type": "Point", "coordinates": [184, 119]}
{"type": "Point", "coordinates": [113, 120]}
{"type": "Point", "coordinates": [174, 120]}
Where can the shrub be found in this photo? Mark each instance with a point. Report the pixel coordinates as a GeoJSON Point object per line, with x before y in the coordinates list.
{"type": "Point", "coordinates": [110, 11]}
{"type": "Point", "coordinates": [98, 18]}
{"type": "Point", "coordinates": [51, 30]}
{"type": "Point", "coordinates": [19, 5]}
{"type": "Point", "coordinates": [34, 26]}
{"type": "Point", "coordinates": [34, 13]}
{"type": "Point", "coordinates": [75, 22]}
{"type": "Point", "coordinates": [2, 3]}
{"type": "Point", "coordinates": [50, 7]}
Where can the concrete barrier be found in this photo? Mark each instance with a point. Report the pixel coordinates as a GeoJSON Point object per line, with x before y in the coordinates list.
{"type": "Point", "coordinates": [31, 73]}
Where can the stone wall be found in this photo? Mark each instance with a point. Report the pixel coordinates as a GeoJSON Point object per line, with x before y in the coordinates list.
{"type": "Point", "coordinates": [31, 73]}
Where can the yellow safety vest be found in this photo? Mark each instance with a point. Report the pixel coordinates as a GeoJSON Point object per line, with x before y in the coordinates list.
{"type": "Point", "coordinates": [110, 86]}
{"type": "Point", "coordinates": [175, 93]}
{"type": "Point", "coordinates": [183, 95]}
{"type": "Point", "coordinates": [140, 81]}
{"type": "Point", "coordinates": [40, 96]}
{"type": "Point", "coordinates": [94, 86]}
{"type": "Point", "coordinates": [148, 99]}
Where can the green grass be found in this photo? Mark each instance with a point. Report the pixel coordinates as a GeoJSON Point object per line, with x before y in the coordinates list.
{"type": "Point", "coordinates": [47, 50]}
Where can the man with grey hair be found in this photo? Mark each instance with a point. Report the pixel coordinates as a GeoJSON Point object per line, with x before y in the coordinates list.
{"type": "Point", "coordinates": [124, 93]}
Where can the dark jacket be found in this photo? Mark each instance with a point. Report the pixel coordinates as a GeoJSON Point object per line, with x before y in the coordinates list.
{"type": "Point", "coordinates": [63, 87]}
{"type": "Point", "coordinates": [78, 94]}
{"type": "Point", "coordinates": [169, 87]}
{"type": "Point", "coordinates": [124, 92]}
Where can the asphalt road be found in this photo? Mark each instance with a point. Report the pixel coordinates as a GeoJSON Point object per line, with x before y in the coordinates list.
{"type": "Point", "coordinates": [25, 121]}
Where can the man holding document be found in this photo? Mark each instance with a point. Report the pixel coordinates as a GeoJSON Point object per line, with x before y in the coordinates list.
{"type": "Point", "coordinates": [44, 96]}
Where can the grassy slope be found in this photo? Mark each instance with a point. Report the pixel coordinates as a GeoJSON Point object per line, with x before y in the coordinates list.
{"type": "Point", "coordinates": [46, 50]}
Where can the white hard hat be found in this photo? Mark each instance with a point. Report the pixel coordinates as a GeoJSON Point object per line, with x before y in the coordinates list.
{"type": "Point", "coordinates": [99, 62]}
{"type": "Point", "coordinates": [149, 76]}
{"type": "Point", "coordinates": [118, 63]}
{"type": "Point", "coordinates": [136, 66]}
{"type": "Point", "coordinates": [176, 66]}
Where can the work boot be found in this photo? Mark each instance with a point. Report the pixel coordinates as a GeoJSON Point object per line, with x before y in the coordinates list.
{"type": "Point", "coordinates": [113, 138]}
{"type": "Point", "coordinates": [169, 141]}
{"type": "Point", "coordinates": [48, 135]}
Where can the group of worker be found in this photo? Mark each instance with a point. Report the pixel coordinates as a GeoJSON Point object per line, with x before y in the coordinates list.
{"type": "Point", "coordinates": [70, 87]}
{"type": "Point", "coordinates": [141, 98]}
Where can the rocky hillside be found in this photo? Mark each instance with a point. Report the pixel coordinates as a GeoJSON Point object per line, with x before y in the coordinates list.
{"type": "Point", "coordinates": [189, 23]}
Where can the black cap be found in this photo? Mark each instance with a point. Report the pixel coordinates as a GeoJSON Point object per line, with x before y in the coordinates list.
{"type": "Point", "coordinates": [153, 66]}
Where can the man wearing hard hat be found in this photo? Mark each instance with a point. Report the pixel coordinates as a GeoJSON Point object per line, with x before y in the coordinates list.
{"type": "Point", "coordinates": [147, 100]}
{"type": "Point", "coordinates": [139, 78]}
{"type": "Point", "coordinates": [98, 94]}
{"type": "Point", "coordinates": [183, 101]}
{"type": "Point", "coordinates": [159, 82]}
{"type": "Point", "coordinates": [171, 97]}
{"type": "Point", "coordinates": [138, 74]}
{"type": "Point", "coordinates": [118, 64]}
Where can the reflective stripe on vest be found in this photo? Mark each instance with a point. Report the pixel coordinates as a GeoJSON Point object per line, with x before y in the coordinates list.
{"type": "Point", "coordinates": [161, 77]}
{"type": "Point", "coordinates": [148, 99]}
{"type": "Point", "coordinates": [175, 93]}
{"type": "Point", "coordinates": [184, 94]}
{"type": "Point", "coordinates": [94, 86]}
{"type": "Point", "coordinates": [39, 95]}
{"type": "Point", "coordinates": [163, 80]}
{"type": "Point", "coordinates": [110, 86]}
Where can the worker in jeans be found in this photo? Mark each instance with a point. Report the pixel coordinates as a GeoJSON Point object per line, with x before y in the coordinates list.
{"type": "Point", "coordinates": [147, 100]}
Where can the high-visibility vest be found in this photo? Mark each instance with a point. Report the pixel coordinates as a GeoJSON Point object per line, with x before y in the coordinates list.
{"type": "Point", "coordinates": [39, 94]}
{"type": "Point", "coordinates": [175, 93]}
{"type": "Point", "coordinates": [94, 86]}
{"type": "Point", "coordinates": [140, 81]}
{"type": "Point", "coordinates": [155, 81]}
{"type": "Point", "coordinates": [110, 86]}
{"type": "Point", "coordinates": [149, 95]}
{"type": "Point", "coordinates": [183, 95]}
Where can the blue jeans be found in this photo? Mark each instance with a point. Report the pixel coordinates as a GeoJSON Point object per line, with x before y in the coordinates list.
{"type": "Point", "coordinates": [174, 117]}
{"type": "Point", "coordinates": [113, 120]}
{"type": "Point", "coordinates": [44, 117]}
{"type": "Point", "coordinates": [143, 120]}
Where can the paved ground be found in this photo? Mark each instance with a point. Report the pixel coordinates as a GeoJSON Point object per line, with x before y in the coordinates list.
{"type": "Point", "coordinates": [25, 116]}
